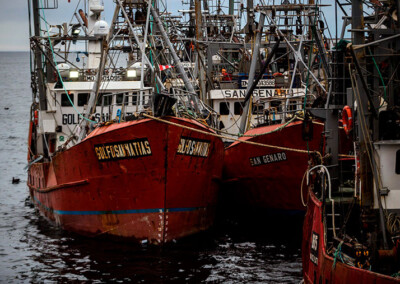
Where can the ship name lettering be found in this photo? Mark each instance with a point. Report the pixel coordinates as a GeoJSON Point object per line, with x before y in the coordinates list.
{"type": "Point", "coordinates": [268, 159]}
{"type": "Point", "coordinates": [241, 93]}
{"type": "Point", "coordinates": [193, 147]}
{"type": "Point", "coordinates": [123, 150]}
{"type": "Point", "coordinates": [314, 259]}
{"type": "Point", "coordinates": [314, 248]}
{"type": "Point", "coordinates": [261, 83]}
{"type": "Point", "coordinates": [73, 119]}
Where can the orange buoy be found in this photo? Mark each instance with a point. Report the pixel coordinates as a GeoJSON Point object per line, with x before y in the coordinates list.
{"type": "Point", "coordinates": [36, 117]}
{"type": "Point", "coordinates": [347, 119]}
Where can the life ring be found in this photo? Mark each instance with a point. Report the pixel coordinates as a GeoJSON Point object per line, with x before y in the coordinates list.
{"type": "Point", "coordinates": [347, 119]}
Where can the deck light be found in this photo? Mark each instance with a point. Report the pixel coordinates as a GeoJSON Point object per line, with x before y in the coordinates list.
{"type": "Point", "coordinates": [131, 73]}
{"type": "Point", "coordinates": [73, 74]}
{"type": "Point", "coordinates": [75, 31]}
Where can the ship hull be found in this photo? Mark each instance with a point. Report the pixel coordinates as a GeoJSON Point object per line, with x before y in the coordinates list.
{"type": "Point", "coordinates": [144, 180]}
{"type": "Point", "coordinates": [268, 178]}
{"type": "Point", "coordinates": [318, 266]}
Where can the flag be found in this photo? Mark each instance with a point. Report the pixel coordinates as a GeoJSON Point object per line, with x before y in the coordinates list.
{"type": "Point", "coordinates": [164, 67]}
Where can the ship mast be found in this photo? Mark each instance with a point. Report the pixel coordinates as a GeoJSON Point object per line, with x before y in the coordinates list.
{"type": "Point", "coordinates": [122, 7]}
{"type": "Point", "coordinates": [366, 113]}
{"type": "Point", "coordinates": [94, 61]}
{"type": "Point", "coordinates": [367, 164]}
{"type": "Point", "coordinates": [254, 62]}
{"type": "Point", "coordinates": [171, 48]}
{"type": "Point", "coordinates": [101, 64]}
{"type": "Point", "coordinates": [38, 58]}
{"type": "Point", "coordinates": [200, 57]}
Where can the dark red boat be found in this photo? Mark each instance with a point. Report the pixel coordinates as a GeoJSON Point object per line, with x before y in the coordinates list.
{"type": "Point", "coordinates": [143, 179]}
{"type": "Point", "coordinates": [268, 177]}
{"type": "Point", "coordinates": [319, 266]}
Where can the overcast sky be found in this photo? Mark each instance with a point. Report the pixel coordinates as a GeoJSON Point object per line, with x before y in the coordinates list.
{"type": "Point", "coordinates": [14, 23]}
{"type": "Point", "coordinates": [14, 26]}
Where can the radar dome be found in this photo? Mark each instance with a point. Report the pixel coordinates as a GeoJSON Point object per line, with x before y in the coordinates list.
{"type": "Point", "coordinates": [100, 28]}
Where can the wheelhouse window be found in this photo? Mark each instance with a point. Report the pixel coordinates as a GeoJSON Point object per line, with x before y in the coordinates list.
{"type": "Point", "coordinates": [292, 105]}
{"type": "Point", "coordinates": [65, 101]}
{"type": "Point", "coordinates": [224, 108]}
{"type": "Point", "coordinates": [83, 99]}
{"type": "Point", "coordinates": [107, 99]}
{"type": "Point", "coordinates": [119, 98]}
{"type": "Point", "coordinates": [135, 99]}
{"type": "Point", "coordinates": [258, 109]}
{"type": "Point", "coordinates": [276, 105]}
{"type": "Point", "coordinates": [238, 108]}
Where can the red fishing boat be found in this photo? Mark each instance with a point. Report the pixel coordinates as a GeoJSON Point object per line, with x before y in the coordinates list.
{"type": "Point", "coordinates": [264, 169]}
{"type": "Point", "coordinates": [267, 175]}
{"type": "Point", "coordinates": [143, 179]}
{"type": "Point", "coordinates": [108, 156]}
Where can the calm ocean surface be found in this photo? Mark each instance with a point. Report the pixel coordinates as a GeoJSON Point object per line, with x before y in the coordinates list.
{"type": "Point", "coordinates": [33, 250]}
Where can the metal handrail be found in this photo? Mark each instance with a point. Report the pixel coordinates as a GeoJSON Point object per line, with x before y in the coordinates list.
{"type": "Point", "coordinates": [134, 94]}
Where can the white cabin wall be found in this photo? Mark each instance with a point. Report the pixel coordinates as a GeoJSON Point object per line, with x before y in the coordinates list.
{"type": "Point", "coordinates": [386, 154]}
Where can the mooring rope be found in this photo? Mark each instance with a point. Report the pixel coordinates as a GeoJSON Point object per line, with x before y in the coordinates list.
{"type": "Point", "coordinates": [229, 138]}
{"type": "Point", "coordinates": [253, 135]}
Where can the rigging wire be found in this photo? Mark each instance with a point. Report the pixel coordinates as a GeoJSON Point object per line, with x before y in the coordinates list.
{"type": "Point", "coordinates": [380, 76]}
{"type": "Point", "coordinates": [56, 64]}
{"type": "Point", "coordinates": [364, 133]}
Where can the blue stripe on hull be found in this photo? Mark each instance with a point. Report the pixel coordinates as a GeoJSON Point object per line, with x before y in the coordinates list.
{"type": "Point", "coordinates": [129, 211]}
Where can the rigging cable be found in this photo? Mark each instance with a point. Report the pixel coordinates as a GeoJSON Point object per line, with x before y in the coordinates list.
{"type": "Point", "coordinates": [380, 75]}
{"type": "Point", "coordinates": [58, 71]}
